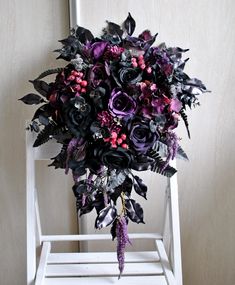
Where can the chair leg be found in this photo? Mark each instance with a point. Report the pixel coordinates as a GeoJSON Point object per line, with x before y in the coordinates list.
{"type": "Point", "coordinates": [165, 263]}
{"type": "Point", "coordinates": [46, 248]}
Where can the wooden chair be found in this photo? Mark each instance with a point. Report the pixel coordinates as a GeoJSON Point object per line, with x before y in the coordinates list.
{"type": "Point", "coordinates": [99, 268]}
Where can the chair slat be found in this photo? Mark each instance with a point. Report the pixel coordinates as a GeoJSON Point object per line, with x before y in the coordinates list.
{"type": "Point", "coordinates": [87, 237]}
{"type": "Point", "coordinates": [103, 257]}
{"type": "Point", "coordinates": [130, 280]}
{"type": "Point", "coordinates": [98, 269]}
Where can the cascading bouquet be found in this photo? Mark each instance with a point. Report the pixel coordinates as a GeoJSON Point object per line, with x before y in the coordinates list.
{"type": "Point", "coordinates": [114, 109]}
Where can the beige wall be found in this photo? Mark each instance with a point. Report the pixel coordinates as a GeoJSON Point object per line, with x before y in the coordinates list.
{"type": "Point", "coordinates": [28, 33]}
{"type": "Point", "coordinates": [207, 182]}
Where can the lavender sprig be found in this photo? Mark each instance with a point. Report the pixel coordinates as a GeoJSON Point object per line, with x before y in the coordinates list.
{"type": "Point", "coordinates": [172, 148]}
{"type": "Point", "coordinates": [70, 149]}
{"type": "Point", "coordinates": [122, 241]}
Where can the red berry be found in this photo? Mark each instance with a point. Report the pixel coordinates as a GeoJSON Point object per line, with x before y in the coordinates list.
{"type": "Point", "coordinates": [113, 135]}
{"type": "Point", "coordinates": [71, 78]}
{"type": "Point", "coordinates": [142, 66]}
{"type": "Point", "coordinates": [78, 80]}
{"type": "Point", "coordinates": [119, 141]}
{"type": "Point", "coordinates": [124, 145]}
{"type": "Point", "coordinates": [83, 90]}
{"type": "Point", "coordinates": [75, 73]}
{"type": "Point", "coordinates": [84, 83]}
{"type": "Point", "coordinates": [123, 136]}
{"type": "Point", "coordinates": [77, 87]}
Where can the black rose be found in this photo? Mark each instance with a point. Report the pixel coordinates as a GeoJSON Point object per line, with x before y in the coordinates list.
{"type": "Point", "coordinates": [141, 136]}
{"type": "Point", "coordinates": [77, 116]}
{"type": "Point", "coordinates": [117, 158]}
{"type": "Point", "coordinates": [130, 75]}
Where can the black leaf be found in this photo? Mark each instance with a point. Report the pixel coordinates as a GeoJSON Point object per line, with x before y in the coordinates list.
{"type": "Point", "coordinates": [59, 161]}
{"type": "Point", "coordinates": [79, 188]}
{"type": "Point", "coordinates": [84, 208]}
{"type": "Point", "coordinates": [43, 120]}
{"type": "Point", "coordinates": [46, 134]}
{"type": "Point", "coordinates": [141, 163]}
{"type": "Point", "coordinates": [113, 29]}
{"type": "Point", "coordinates": [49, 72]}
{"type": "Point", "coordinates": [134, 211]}
{"type": "Point", "coordinates": [150, 42]}
{"type": "Point", "coordinates": [185, 119]}
{"type": "Point", "coordinates": [125, 187]}
{"type": "Point", "coordinates": [181, 154]}
{"type": "Point", "coordinates": [106, 217]}
{"type": "Point", "coordinates": [140, 187]}
{"type": "Point", "coordinates": [33, 127]}
{"type": "Point", "coordinates": [44, 110]}
{"type": "Point", "coordinates": [129, 25]}
{"type": "Point", "coordinates": [83, 34]}
{"type": "Point", "coordinates": [32, 99]}
{"type": "Point", "coordinates": [41, 86]}
{"type": "Point", "coordinates": [159, 165]}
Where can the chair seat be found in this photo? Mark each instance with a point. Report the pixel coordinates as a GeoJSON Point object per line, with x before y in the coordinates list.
{"type": "Point", "coordinates": [99, 268]}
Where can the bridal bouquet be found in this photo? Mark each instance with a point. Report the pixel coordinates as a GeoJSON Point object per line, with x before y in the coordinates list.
{"type": "Point", "coordinates": [114, 108]}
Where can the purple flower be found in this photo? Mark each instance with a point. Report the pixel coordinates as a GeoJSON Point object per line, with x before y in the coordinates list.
{"type": "Point", "coordinates": [145, 35]}
{"type": "Point", "coordinates": [97, 49]}
{"type": "Point", "coordinates": [141, 136]}
{"type": "Point", "coordinates": [122, 241]}
{"type": "Point", "coordinates": [97, 74]}
{"type": "Point", "coordinates": [121, 104]}
{"type": "Point", "coordinates": [175, 105]}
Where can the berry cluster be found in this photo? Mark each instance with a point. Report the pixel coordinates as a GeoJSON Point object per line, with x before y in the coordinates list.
{"type": "Point", "coordinates": [80, 84]}
{"type": "Point", "coordinates": [140, 63]}
{"type": "Point", "coordinates": [117, 140]}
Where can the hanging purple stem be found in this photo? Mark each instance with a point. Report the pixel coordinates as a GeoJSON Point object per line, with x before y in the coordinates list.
{"type": "Point", "coordinates": [122, 241]}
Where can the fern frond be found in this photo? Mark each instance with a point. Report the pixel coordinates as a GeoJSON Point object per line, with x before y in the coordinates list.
{"type": "Point", "coordinates": [159, 165]}
{"type": "Point", "coordinates": [185, 119]}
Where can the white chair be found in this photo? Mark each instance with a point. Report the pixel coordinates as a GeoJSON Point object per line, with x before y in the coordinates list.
{"type": "Point", "coordinates": [99, 268]}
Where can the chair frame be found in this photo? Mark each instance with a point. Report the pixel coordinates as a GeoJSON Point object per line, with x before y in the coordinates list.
{"type": "Point", "coordinates": [37, 273]}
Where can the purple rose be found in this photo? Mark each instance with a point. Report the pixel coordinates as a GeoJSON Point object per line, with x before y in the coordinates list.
{"type": "Point", "coordinates": [97, 74]}
{"type": "Point", "coordinates": [121, 104]}
{"type": "Point", "coordinates": [141, 136]}
{"type": "Point", "coordinates": [97, 49]}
